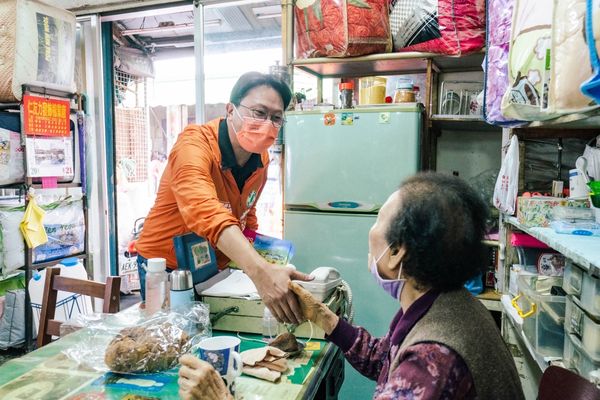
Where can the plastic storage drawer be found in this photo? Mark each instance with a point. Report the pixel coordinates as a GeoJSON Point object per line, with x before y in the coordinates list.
{"type": "Point", "coordinates": [590, 295]}
{"type": "Point", "coordinates": [573, 278]}
{"type": "Point", "coordinates": [575, 357]}
{"type": "Point", "coordinates": [578, 323]}
{"type": "Point", "coordinates": [543, 314]}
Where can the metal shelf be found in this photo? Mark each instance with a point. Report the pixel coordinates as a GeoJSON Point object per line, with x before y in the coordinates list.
{"type": "Point", "coordinates": [463, 123]}
{"type": "Point", "coordinates": [490, 299]}
{"type": "Point", "coordinates": [387, 64]}
{"type": "Point", "coordinates": [46, 264]}
{"type": "Point", "coordinates": [583, 250]}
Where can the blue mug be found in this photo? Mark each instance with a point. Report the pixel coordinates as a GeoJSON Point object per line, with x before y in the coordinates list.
{"type": "Point", "coordinates": [223, 353]}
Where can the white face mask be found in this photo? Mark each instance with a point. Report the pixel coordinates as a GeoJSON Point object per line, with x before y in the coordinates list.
{"type": "Point", "coordinates": [393, 287]}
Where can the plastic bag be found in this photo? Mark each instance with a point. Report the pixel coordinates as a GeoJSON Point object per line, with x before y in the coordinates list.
{"type": "Point", "coordinates": [592, 155]}
{"type": "Point", "coordinates": [63, 223]}
{"type": "Point", "coordinates": [499, 18]}
{"type": "Point", "coordinates": [438, 26]}
{"type": "Point", "coordinates": [505, 191]}
{"type": "Point", "coordinates": [569, 53]}
{"type": "Point", "coordinates": [126, 344]}
{"type": "Point", "coordinates": [529, 66]}
{"type": "Point", "coordinates": [341, 28]}
{"type": "Point", "coordinates": [11, 157]}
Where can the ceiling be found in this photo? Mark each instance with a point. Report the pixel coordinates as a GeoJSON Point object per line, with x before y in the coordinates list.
{"type": "Point", "coordinates": [227, 28]}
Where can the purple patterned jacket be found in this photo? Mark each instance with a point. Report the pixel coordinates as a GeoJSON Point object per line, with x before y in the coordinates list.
{"type": "Point", "coordinates": [425, 371]}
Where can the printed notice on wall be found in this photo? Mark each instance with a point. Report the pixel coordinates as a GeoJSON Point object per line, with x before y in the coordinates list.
{"type": "Point", "coordinates": [46, 117]}
{"type": "Point", "coordinates": [49, 156]}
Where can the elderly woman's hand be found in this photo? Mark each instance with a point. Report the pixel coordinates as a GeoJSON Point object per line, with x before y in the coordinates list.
{"type": "Point", "coordinates": [199, 380]}
{"type": "Point", "coordinates": [314, 310]}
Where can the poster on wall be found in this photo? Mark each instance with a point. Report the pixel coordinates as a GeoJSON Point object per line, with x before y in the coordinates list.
{"type": "Point", "coordinates": [49, 156]}
{"type": "Point", "coordinates": [46, 117]}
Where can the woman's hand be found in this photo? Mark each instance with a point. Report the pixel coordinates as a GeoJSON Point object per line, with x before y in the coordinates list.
{"type": "Point", "coordinates": [315, 311]}
{"type": "Point", "coordinates": [198, 380]}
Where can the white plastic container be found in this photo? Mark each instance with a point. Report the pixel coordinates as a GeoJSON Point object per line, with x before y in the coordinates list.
{"type": "Point", "coordinates": [573, 279]}
{"type": "Point", "coordinates": [543, 314]}
{"type": "Point", "coordinates": [157, 285]}
{"type": "Point", "coordinates": [576, 358]}
{"type": "Point", "coordinates": [68, 305]}
{"type": "Point", "coordinates": [38, 47]}
{"type": "Point", "coordinates": [270, 326]}
{"type": "Point", "coordinates": [580, 324]}
{"type": "Point", "coordinates": [590, 295]}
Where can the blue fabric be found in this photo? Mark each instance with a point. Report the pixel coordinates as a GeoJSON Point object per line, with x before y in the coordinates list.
{"type": "Point", "coordinates": [475, 285]}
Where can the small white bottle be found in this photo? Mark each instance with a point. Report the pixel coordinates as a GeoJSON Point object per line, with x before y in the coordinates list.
{"type": "Point", "coordinates": [269, 325]}
{"type": "Point", "coordinates": [157, 285]}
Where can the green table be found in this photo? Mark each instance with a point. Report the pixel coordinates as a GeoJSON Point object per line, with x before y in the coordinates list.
{"type": "Point", "coordinates": [47, 373]}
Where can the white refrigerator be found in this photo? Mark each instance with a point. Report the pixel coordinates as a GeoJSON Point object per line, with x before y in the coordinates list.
{"type": "Point", "coordinates": [340, 167]}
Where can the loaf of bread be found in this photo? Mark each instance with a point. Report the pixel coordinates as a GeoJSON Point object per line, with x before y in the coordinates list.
{"type": "Point", "coordinates": [146, 349]}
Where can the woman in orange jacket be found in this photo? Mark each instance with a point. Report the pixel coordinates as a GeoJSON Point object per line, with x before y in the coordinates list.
{"type": "Point", "coordinates": [213, 179]}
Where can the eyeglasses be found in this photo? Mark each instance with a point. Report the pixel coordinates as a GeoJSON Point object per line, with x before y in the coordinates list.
{"type": "Point", "coordinates": [277, 120]}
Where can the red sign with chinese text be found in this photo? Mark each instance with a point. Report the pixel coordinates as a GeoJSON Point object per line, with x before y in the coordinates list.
{"type": "Point", "coordinates": [45, 117]}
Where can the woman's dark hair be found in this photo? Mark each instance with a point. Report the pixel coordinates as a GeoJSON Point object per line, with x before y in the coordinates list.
{"type": "Point", "coordinates": [250, 80]}
{"type": "Point", "coordinates": [441, 223]}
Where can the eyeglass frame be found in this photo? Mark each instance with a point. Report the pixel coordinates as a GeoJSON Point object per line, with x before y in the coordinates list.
{"type": "Point", "coordinates": [268, 116]}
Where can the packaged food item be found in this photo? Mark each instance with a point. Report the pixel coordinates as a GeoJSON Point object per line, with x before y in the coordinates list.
{"type": "Point", "coordinates": [133, 343]}
{"type": "Point", "coordinates": [146, 348]}
{"type": "Point", "coordinates": [341, 28]}
{"type": "Point", "coordinates": [372, 90]}
{"type": "Point", "coordinates": [537, 211]}
{"type": "Point", "coordinates": [404, 92]}
{"type": "Point", "coordinates": [346, 94]}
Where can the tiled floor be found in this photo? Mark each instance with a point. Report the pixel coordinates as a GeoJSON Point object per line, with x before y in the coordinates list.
{"type": "Point", "coordinates": [126, 302]}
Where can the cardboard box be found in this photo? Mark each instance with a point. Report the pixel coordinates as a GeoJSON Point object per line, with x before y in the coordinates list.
{"type": "Point", "coordinates": [537, 211]}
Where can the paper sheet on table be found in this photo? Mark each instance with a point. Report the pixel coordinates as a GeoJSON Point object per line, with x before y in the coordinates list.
{"type": "Point", "coordinates": [238, 284]}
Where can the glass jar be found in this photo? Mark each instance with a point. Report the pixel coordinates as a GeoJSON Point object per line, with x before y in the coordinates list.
{"type": "Point", "coordinates": [404, 92]}
{"type": "Point", "coordinates": [346, 94]}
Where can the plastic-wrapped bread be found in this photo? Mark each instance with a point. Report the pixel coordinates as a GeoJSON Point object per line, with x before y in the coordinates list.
{"type": "Point", "coordinates": [146, 349]}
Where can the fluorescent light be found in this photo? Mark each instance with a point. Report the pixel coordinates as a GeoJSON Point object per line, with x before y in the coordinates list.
{"type": "Point", "coordinates": [267, 16]}
{"type": "Point", "coordinates": [169, 28]}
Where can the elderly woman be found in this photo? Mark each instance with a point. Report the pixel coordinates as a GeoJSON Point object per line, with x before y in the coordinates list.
{"type": "Point", "coordinates": [442, 343]}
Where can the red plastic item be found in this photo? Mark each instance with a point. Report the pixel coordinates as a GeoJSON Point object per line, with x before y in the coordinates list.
{"type": "Point", "coordinates": [525, 240]}
{"type": "Point", "coordinates": [346, 86]}
{"type": "Point", "coordinates": [388, 99]}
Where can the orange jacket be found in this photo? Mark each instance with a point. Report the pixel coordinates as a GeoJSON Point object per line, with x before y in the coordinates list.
{"type": "Point", "coordinates": [197, 195]}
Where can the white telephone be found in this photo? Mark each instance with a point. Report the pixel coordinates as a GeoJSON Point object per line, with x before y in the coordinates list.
{"type": "Point", "coordinates": [325, 280]}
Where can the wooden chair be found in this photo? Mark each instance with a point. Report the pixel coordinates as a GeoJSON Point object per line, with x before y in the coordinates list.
{"type": "Point", "coordinates": [560, 384]}
{"type": "Point", "coordinates": [48, 326]}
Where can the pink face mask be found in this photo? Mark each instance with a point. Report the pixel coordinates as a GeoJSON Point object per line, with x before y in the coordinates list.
{"type": "Point", "coordinates": [256, 136]}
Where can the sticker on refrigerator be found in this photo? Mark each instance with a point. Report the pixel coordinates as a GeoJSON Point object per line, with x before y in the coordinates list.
{"type": "Point", "coordinates": [348, 118]}
{"type": "Point", "coordinates": [329, 119]}
{"type": "Point", "coordinates": [201, 255]}
{"type": "Point", "coordinates": [384, 118]}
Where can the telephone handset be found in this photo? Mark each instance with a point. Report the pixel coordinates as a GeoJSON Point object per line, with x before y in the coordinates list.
{"type": "Point", "coordinates": [325, 274]}
{"type": "Point", "coordinates": [325, 280]}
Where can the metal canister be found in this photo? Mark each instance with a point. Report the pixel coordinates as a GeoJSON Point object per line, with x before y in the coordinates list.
{"type": "Point", "coordinates": [182, 288]}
